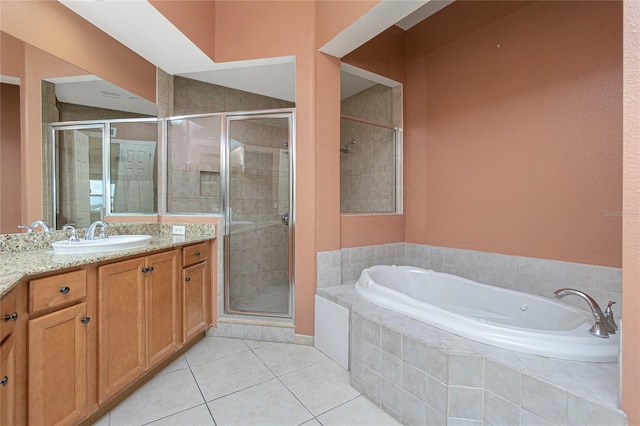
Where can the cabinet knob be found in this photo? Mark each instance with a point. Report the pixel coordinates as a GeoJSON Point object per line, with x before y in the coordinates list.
{"type": "Point", "coordinates": [147, 269]}
{"type": "Point", "coordinates": [197, 253]}
{"type": "Point", "coordinates": [85, 320]}
{"type": "Point", "coordinates": [4, 381]}
{"type": "Point", "coordinates": [65, 290]}
{"type": "Point", "coordinates": [188, 279]}
{"type": "Point", "coordinates": [13, 316]}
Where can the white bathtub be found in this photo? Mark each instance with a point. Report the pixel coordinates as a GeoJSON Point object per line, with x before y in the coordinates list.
{"type": "Point", "coordinates": [499, 317]}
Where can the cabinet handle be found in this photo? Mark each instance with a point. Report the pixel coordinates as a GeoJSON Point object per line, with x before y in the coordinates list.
{"type": "Point", "coordinates": [13, 316]}
{"type": "Point", "coordinates": [148, 269]}
{"type": "Point", "coordinates": [4, 381]}
{"type": "Point", "coordinates": [197, 253]}
{"type": "Point", "coordinates": [188, 279]}
{"type": "Point", "coordinates": [65, 290]}
{"type": "Point", "coordinates": [85, 320]}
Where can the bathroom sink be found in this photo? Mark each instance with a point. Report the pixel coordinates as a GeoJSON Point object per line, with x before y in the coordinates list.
{"type": "Point", "coordinates": [102, 245]}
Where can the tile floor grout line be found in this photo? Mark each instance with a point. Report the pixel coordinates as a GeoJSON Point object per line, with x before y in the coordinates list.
{"type": "Point", "coordinates": [173, 414]}
{"type": "Point", "coordinates": [201, 394]}
{"type": "Point", "coordinates": [287, 388]}
{"type": "Point", "coordinates": [215, 359]}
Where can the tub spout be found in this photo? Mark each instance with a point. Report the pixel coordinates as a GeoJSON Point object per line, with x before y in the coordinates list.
{"type": "Point", "coordinates": [601, 326]}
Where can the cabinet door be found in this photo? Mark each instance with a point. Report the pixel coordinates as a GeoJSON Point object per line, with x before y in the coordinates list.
{"type": "Point", "coordinates": [120, 326]}
{"type": "Point", "coordinates": [7, 382]}
{"type": "Point", "coordinates": [195, 300]}
{"type": "Point", "coordinates": [58, 367]}
{"type": "Point", "coordinates": [162, 313]}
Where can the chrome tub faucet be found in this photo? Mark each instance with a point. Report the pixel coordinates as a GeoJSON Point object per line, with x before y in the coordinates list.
{"type": "Point", "coordinates": [601, 326]}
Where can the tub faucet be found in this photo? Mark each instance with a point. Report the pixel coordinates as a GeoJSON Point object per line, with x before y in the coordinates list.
{"type": "Point", "coordinates": [601, 326]}
{"type": "Point", "coordinates": [92, 230]}
{"type": "Point", "coordinates": [42, 224]}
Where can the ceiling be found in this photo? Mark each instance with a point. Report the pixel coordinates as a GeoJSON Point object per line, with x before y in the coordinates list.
{"type": "Point", "coordinates": [143, 29]}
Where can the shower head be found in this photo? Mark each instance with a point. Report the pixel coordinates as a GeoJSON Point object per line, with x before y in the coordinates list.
{"type": "Point", "coordinates": [345, 149]}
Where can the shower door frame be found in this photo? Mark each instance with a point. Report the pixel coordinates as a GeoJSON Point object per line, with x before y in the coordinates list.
{"type": "Point", "coordinates": [290, 114]}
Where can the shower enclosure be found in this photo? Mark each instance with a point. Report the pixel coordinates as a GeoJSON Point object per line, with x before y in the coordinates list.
{"type": "Point", "coordinates": [237, 165]}
{"type": "Point", "coordinates": [259, 215]}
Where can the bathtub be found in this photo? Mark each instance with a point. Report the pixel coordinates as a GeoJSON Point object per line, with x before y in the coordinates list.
{"type": "Point", "coordinates": [492, 315]}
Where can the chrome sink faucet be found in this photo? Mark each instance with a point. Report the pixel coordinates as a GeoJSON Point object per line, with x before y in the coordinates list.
{"type": "Point", "coordinates": [44, 225]}
{"type": "Point", "coordinates": [73, 235]}
{"type": "Point", "coordinates": [92, 230]}
{"type": "Point", "coordinates": [601, 326]}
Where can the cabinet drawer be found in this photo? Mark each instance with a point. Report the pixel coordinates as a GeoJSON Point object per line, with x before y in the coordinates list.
{"type": "Point", "coordinates": [8, 314]}
{"type": "Point", "coordinates": [58, 289]}
{"type": "Point", "coordinates": [194, 254]}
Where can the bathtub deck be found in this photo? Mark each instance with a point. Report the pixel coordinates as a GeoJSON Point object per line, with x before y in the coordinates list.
{"type": "Point", "coordinates": [580, 382]}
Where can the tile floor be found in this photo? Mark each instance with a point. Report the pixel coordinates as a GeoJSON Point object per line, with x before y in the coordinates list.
{"type": "Point", "coordinates": [222, 381]}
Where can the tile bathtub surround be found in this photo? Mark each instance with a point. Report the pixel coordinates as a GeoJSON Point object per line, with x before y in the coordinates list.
{"type": "Point", "coordinates": [422, 375]}
{"type": "Point", "coordinates": [530, 275]}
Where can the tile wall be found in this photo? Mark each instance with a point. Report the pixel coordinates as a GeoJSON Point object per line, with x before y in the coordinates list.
{"type": "Point", "coordinates": [530, 275]}
{"type": "Point", "coordinates": [422, 375]}
{"type": "Point", "coordinates": [368, 178]}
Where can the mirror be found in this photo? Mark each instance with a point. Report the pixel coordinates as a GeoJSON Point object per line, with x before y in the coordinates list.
{"type": "Point", "coordinates": [255, 79]}
{"type": "Point", "coordinates": [370, 143]}
{"type": "Point", "coordinates": [9, 153]}
{"type": "Point", "coordinates": [83, 192]}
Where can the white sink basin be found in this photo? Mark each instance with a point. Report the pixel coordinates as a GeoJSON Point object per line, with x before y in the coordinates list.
{"type": "Point", "coordinates": [102, 245]}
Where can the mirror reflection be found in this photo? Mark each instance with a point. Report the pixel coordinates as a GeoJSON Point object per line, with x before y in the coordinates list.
{"type": "Point", "coordinates": [9, 154]}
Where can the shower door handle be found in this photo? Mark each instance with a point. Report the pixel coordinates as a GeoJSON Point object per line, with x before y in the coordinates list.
{"type": "Point", "coordinates": [285, 219]}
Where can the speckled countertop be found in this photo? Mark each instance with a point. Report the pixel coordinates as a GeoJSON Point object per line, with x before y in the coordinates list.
{"type": "Point", "coordinates": [23, 255]}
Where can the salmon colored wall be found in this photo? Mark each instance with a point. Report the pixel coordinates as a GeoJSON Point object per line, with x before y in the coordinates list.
{"type": "Point", "coordinates": [195, 18]}
{"type": "Point", "coordinates": [631, 220]}
{"type": "Point", "coordinates": [513, 135]}
{"type": "Point", "coordinates": [10, 210]}
{"type": "Point", "coordinates": [383, 55]}
{"type": "Point", "coordinates": [334, 16]}
{"type": "Point", "coordinates": [328, 151]}
{"type": "Point", "coordinates": [11, 55]}
{"type": "Point", "coordinates": [360, 231]}
{"type": "Point", "coordinates": [52, 27]}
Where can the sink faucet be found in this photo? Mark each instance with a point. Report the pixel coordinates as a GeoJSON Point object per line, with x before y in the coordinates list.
{"type": "Point", "coordinates": [601, 326]}
{"type": "Point", "coordinates": [73, 236]}
{"type": "Point", "coordinates": [92, 230]}
{"type": "Point", "coordinates": [42, 224]}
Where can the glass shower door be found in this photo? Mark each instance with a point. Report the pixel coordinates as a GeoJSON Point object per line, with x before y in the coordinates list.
{"type": "Point", "coordinates": [259, 220]}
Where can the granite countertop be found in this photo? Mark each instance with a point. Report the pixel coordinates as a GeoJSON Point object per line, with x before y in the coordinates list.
{"type": "Point", "coordinates": [17, 264]}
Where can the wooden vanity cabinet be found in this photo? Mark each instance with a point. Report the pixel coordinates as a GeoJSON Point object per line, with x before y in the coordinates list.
{"type": "Point", "coordinates": [57, 354]}
{"type": "Point", "coordinates": [195, 290]}
{"type": "Point", "coordinates": [139, 320]}
{"type": "Point", "coordinates": [8, 317]}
